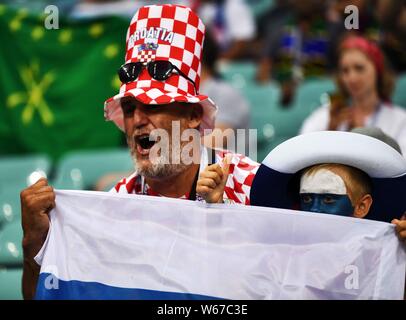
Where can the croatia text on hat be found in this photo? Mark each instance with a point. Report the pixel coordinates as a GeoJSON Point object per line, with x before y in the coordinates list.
{"type": "Point", "coordinates": [151, 33]}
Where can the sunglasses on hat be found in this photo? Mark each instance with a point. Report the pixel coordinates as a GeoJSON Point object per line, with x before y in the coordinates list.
{"type": "Point", "coordinates": [159, 70]}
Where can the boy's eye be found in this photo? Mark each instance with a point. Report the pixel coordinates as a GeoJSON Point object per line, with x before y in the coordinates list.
{"type": "Point", "coordinates": [306, 198]}
{"type": "Point", "coordinates": [329, 200]}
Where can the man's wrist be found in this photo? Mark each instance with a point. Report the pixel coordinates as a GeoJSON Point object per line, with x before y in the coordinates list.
{"type": "Point", "coordinates": [31, 246]}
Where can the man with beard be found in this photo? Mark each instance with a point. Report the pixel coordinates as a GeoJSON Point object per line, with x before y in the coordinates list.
{"type": "Point", "coordinates": [163, 117]}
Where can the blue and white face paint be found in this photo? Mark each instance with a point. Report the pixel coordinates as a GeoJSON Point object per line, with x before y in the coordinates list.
{"type": "Point", "coordinates": [324, 192]}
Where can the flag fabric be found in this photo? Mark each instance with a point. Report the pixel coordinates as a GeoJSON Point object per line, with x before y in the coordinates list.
{"type": "Point", "coordinates": [54, 82]}
{"type": "Point", "coordinates": [117, 246]}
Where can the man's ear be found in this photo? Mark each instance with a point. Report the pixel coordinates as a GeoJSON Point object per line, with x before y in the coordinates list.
{"type": "Point", "coordinates": [195, 116]}
{"type": "Point", "coordinates": [362, 207]}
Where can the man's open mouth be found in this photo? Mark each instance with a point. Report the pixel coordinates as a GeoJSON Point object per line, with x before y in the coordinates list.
{"type": "Point", "coordinates": [144, 143]}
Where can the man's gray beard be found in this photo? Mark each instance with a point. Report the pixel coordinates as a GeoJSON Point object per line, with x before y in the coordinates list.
{"type": "Point", "coordinates": [160, 168]}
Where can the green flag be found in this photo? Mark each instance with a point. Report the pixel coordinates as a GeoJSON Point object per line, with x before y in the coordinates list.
{"type": "Point", "coordinates": [53, 82]}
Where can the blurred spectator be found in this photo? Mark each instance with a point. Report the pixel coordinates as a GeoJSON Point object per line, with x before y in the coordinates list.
{"type": "Point", "coordinates": [363, 99]}
{"type": "Point", "coordinates": [98, 8]}
{"type": "Point", "coordinates": [336, 16]}
{"type": "Point", "coordinates": [391, 15]}
{"type": "Point", "coordinates": [233, 110]}
{"type": "Point", "coordinates": [232, 23]}
{"type": "Point", "coordinates": [383, 21]}
{"type": "Point", "coordinates": [296, 44]}
{"type": "Point", "coordinates": [378, 134]}
{"type": "Point", "coordinates": [108, 181]}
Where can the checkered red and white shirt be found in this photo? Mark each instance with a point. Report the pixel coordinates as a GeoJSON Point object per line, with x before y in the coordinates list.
{"type": "Point", "coordinates": [237, 190]}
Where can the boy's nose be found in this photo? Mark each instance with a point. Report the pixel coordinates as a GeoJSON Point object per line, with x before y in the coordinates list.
{"type": "Point", "coordinates": [316, 205]}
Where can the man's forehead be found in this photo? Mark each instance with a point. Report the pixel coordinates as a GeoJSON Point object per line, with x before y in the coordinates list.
{"type": "Point", "coordinates": [175, 106]}
{"type": "Point", "coordinates": [131, 101]}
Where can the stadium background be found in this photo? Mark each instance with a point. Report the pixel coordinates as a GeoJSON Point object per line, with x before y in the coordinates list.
{"type": "Point", "coordinates": [52, 87]}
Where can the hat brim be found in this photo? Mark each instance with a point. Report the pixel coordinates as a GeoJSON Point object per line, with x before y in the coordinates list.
{"type": "Point", "coordinates": [157, 96]}
{"type": "Point", "coordinates": [276, 183]}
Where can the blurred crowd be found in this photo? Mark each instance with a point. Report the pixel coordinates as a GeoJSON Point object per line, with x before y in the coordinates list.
{"type": "Point", "coordinates": [289, 41]}
{"type": "Point", "coordinates": [282, 67]}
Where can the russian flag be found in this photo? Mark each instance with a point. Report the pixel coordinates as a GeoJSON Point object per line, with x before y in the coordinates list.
{"type": "Point", "coordinates": [119, 246]}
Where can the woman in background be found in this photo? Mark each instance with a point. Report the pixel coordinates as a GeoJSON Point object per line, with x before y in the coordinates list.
{"type": "Point", "coordinates": [363, 99]}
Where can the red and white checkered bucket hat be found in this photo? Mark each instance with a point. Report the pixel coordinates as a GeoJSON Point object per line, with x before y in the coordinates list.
{"type": "Point", "coordinates": [164, 32]}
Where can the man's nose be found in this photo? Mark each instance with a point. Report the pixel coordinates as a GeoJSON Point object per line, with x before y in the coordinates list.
{"type": "Point", "coordinates": [140, 118]}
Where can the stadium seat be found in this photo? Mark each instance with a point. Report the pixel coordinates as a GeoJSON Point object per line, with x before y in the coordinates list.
{"type": "Point", "coordinates": [399, 96]}
{"type": "Point", "coordinates": [264, 147]}
{"type": "Point", "coordinates": [276, 124]}
{"type": "Point", "coordinates": [11, 236]}
{"type": "Point", "coordinates": [22, 170]}
{"type": "Point", "coordinates": [82, 169]}
{"type": "Point", "coordinates": [311, 94]}
{"type": "Point", "coordinates": [271, 121]}
{"type": "Point", "coordinates": [9, 205]}
{"type": "Point", "coordinates": [239, 74]}
{"type": "Point", "coordinates": [10, 284]}
{"type": "Point", "coordinates": [260, 7]}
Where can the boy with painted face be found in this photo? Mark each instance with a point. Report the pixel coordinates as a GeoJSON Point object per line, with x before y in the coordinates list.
{"type": "Point", "coordinates": [335, 189]}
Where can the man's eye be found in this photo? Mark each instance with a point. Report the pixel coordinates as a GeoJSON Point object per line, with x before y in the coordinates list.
{"type": "Point", "coordinates": [128, 109]}
{"type": "Point", "coordinates": [157, 108]}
